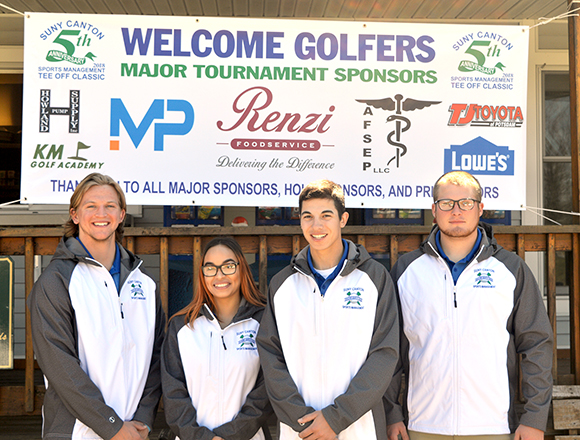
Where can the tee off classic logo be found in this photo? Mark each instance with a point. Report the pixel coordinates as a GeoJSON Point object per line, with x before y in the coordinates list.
{"type": "Point", "coordinates": [485, 61]}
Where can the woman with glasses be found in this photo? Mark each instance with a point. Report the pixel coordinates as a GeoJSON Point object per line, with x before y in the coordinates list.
{"type": "Point", "coordinates": [212, 382]}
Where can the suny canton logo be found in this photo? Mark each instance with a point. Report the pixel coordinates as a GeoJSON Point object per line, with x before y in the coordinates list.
{"type": "Point", "coordinates": [136, 289]}
{"type": "Point", "coordinates": [399, 106]}
{"type": "Point", "coordinates": [70, 40]}
{"type": "Point", "coordinates": [483, 278]}
{"type": "Point", "coordinates": [479, 156]}
{"type": "Point", "coordinates": [246, 340]}
{"type": "Point", "coordinates": [119, 114]}
{"type": "Point", "coordinates": [353, 298]}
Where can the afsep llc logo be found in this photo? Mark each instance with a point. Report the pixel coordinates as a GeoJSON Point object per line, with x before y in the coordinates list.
{"type": "Point", "coordinates": [479, 156]}
{"type": "Point", "coordinates": [157, 111]}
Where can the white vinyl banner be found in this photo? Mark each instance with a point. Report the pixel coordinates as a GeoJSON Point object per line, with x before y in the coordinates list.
{"type": "Point", "coordinates": [245, 112]}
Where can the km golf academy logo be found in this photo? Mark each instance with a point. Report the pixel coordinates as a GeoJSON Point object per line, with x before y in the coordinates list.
{"type": "Point", "coordinates": [476, 115]}
{"type": "Point", "coordinates": [353, 298]}
{"type": "Point", "coordinates": [483, 278]}
{"type": "Point", "coordinates": [246, 340]}
{"type": "Point", "coordinates": [402, 123]}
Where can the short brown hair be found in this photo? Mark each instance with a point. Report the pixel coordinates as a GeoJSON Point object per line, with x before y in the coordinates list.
{"type": "Point", "coordinates": [323, 189]}
{"type": "Point", "coordinates": [71, 229]}
{"type": "Point", "coordinates": [459, 178]}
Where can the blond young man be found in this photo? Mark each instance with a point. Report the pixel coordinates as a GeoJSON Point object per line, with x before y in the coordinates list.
{"type": "Point", "coordinates": [97, 325]}
{"type": "Point", "coordinates": [328, 341]}
{"type": "Point", "coordinates": [469, 307]}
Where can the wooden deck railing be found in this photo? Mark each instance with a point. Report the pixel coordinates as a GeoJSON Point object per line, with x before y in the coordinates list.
{"type": "Point", "coordinates": [264, 241]}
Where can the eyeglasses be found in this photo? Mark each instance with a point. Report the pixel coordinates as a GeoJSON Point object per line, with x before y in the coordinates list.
{"type": "Point", "coordinates": [226, 268]}
{"type": "Point", "coordinates": [464, 204]}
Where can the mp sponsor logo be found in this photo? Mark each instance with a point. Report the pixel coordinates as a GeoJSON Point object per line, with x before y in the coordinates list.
{"type": "Point", "coordinates": [120, 115]}
{"type": "Point", "coordinates": [480, 156]}
{"type": "Point", "coordinates": [475, 115]}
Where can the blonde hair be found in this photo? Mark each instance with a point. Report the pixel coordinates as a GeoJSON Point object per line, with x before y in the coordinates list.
{"type": "Point", "coordinates": [71, 229]}
{"type": "Point", "coordinates": [459, 178]}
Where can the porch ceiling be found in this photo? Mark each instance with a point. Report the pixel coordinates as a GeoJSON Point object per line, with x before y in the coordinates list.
{"type": "Point", "coordinates": [315, 9]}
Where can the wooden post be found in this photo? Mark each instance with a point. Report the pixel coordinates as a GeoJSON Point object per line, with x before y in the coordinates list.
{"type": "Point", "coordinates": [164, 274]}
{"type": "Point", "coordinates": [574, 67]}
{"type": "Point", "coordinates": [263, 265]}
{"type": "Point", "coordinates": [29, 366]}
{"type": "Point", "coordinates": [551, 251]}
{"type": "Point", "coordinates": [394, 249]}
{"type": "Point", "coordinates": [196, 260]}
{"type": "Point", "coordinates": [295, 245]}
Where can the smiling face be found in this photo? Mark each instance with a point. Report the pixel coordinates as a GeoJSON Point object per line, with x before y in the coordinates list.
{"type": "Point", "coordinates": [457, 223]}
{"type": "Point", "coordinates": [321, 226]}
{"type": "Point", "coordinates": [222, 286]}
{"type": "Point", "coordinates": [98, 215]}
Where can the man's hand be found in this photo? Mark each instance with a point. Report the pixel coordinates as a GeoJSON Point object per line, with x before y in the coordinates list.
{"type": "Point", "coordinates": [396, 429]}
{"type": "Point", "coordinates": [528, 433]}
{"type": "Point", "coordinates": [319, 429]}
{"type": "Point", "coordinates": [132, 431]}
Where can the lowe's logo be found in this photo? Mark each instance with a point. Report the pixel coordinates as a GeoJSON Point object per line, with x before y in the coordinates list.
{"type": "Point", "coordinates": [119, 114]}
{"type": "Point", "coordinates": [479, 156]}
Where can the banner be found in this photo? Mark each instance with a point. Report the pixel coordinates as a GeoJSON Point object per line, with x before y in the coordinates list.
{"type": "Point", "coordinates": [245, 112]}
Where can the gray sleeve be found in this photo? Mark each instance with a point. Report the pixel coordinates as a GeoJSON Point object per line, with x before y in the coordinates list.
{"type": "Point", "coordinates": [369, 384]}
{"type": "Point", "coordinates": [252, 416]}
{"type": "Point", "coordinates": [54, 337]}
{"type": "Point", "coordinates": [180, 413]}
{"type": "Point", "coordinates": [287, 402]}
{"type": "Point", "coordinates": [533, 339]}
{"type": "Point", "coordinates": [393, 409]}
{"type": "Point", "coordinates": [147, 408]}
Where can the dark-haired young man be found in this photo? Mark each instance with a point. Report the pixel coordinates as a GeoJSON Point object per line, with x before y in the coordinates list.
{"type": "Point", "coordinates": [97, 325]}
{"type": "Point", "coordinates": [328, 341]}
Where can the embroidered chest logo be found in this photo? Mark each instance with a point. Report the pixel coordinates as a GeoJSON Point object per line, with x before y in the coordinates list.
{"type": "Point", "coordinates": [484, 278]}
{"type": "Point", "coordinates": [246, 340]}
{"type": "Point", "coordinates": [353, 298]}
{"type": "Point", "coordinates": [136, 289]}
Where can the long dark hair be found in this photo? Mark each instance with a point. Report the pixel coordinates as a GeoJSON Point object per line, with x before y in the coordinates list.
{"type": "Point", "coordinates": [202, 296]}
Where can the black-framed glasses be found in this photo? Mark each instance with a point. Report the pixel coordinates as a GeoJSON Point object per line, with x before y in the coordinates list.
{"type": "Point", "coordinates": [466, 204]}
{"type": "Point", "coordinates": [227, 269]}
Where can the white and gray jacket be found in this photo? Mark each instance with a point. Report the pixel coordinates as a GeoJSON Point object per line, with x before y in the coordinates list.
{"type": "Point", "coordinates": [335, 353]}
{"type": "Point", "coordinates": [212, 382]}
{"type": "Point", "coordinates": [98, 349]}
{"type": "Point", "coordinates": [460, 343]}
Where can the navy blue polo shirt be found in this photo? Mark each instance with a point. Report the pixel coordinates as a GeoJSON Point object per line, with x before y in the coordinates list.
{"type": "Point", "coordinates": [457, 268]}
{"type": "Point", "coordinates": [322, 282]}
{"type": "Point", "coordinates": [115, 270]}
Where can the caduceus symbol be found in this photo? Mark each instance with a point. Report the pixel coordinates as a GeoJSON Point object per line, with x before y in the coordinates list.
{"type": "Point", "coordinates": [399, 105]}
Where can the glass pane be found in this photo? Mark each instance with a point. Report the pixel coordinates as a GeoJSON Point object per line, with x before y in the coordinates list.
{"type": "Point", "coordinates": [557, 114]}
{"type": "Point", "coordinates": [409, 213]}
{"type": "Point", "coordinates": [384, 213]}
{"type": "Point", "coordinates": [558, 192]}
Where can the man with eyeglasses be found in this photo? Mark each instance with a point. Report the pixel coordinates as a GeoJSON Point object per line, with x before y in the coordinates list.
{"type": "Point", "coordinates": [469, 307]}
